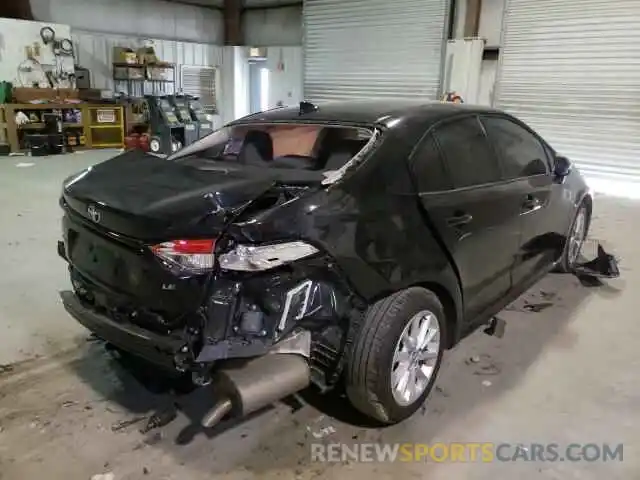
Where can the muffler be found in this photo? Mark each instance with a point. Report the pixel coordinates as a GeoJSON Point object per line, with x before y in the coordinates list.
{"type": "Point", "coordinates": [245, 387]}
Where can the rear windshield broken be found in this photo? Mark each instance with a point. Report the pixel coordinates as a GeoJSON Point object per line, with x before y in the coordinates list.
{"type": "Point", "coordinates": [310, 147]}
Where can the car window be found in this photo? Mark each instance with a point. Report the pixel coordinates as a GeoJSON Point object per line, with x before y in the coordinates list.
{"type": "Point", "coordinates": [428, 168]}
{"type": "Point", "coordinates": [469, 157]}
{"type": "Point", "coordinates": [522, 154]}
{"type": "Point", "coordinates": [289, 146]}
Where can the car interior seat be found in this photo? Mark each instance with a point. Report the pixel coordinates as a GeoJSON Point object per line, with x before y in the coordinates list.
{"type": "Point", "coordinates": [336, 149]}
{"type": "Point", "coordinates": [257, 148]}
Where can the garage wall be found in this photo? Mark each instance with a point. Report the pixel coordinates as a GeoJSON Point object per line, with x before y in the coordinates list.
{"type": "Point", "coordinates": [373, 48]}
{"type": "Point", "coordinates": [15, 35]}
{"type": "Point", "coordinates": [490, 27]}
{"type": "Point", "coordinates": [573, 74]}
{"type": "Point", "coordinates": [273, 26]}
{"type": "Point", "coordinates": [94, 51]}
{"type": "Point", "coordinates": [285, 75]}
{"type": "Point", "coordinates": [140, 18]}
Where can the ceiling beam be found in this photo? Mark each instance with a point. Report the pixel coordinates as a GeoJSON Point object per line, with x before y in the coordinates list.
{"type": "Point", "coordinates": [232, 22]}
{"type": "Point", "coordinates": [472, 20]}
{"type": "Point", "coordinates": [292, 3]}
{"type": "Point", "coordinates": [18, 9]}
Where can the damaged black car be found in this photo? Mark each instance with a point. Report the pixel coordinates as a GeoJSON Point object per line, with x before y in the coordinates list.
{"type": "Point", "coordinates": [344, 244]}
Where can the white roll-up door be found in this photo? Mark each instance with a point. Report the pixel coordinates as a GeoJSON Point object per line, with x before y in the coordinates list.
{"type": "Point", "coordinates": [571, 69]}
{"type": "Point", "coordinates": [373, 48]}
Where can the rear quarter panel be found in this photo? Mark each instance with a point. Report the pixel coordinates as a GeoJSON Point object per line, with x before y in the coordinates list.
{"type": "Point", "coordinates": [372, 225]}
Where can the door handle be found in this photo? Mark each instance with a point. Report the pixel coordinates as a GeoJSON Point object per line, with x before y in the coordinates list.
{"type": "Point", "coordinates": [458, 219]}
{"type": "Point", "coordinates": [531, 203]}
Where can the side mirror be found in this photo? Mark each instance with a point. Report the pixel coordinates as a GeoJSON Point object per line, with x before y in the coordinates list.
{"type": "Point", "coordinates": [562, 167]}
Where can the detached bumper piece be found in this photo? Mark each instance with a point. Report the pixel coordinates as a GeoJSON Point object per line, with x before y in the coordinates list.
{"type": "Point", "coordinates": [158, 349]}
{"type": "Point", "coordinates": [603, 266]}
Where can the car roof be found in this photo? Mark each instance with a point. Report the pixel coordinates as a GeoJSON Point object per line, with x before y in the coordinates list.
{"type": "Point", "coordinates": [365, 112]}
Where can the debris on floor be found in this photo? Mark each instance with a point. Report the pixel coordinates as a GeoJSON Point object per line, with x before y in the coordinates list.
{"type": "Point", "coordinates": [6, 368]}
{"type": "Point", "coordinates": [536, 307]}
{"type": "Point", "coordinates": [104, 476]}
{"type": "Point", "coordinates": [160, 419]}
{"type": "Point", "coordinates": [319, 432]}
{"type": "Point", "coordinates": [484, 365]}
{"type": "Point", "coordinates": [121, 425]}
{"type": "Point", "coordinates": [604, 265]}
{"type": "Point", "coordinates": [24, 164]}
{"type": "Point", "coordinates": [547, 295]}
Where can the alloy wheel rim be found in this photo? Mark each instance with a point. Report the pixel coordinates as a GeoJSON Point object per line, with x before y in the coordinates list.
{"type": "Point", "coordinates": [577, 237]}
{"type": "Point", "coordinates": [415, 358]}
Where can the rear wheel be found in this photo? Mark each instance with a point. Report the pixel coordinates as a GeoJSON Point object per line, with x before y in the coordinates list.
{"type": "Point", "coordinates": [397, 355]}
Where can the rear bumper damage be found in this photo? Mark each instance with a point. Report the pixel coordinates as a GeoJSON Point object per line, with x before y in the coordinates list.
{"type": "Point", "coordinates": [242, 316]}
{"type": "Point", "coordinates": [158, 349]}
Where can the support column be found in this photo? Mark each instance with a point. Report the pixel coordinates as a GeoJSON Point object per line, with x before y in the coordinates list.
{"type": "Point", "coordinates": [232, 22]}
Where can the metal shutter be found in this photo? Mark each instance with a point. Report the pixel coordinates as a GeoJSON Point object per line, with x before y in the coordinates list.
{"type": "Point", "coordinates": [572, 71]}
{"type": "Point", "coordinates": [200, 82]}
{"type": "Point", "coordinates": [373, 48]}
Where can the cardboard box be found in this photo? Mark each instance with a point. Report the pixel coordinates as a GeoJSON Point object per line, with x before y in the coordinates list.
{"type": "Point", "coordinates": [147, 55]}
{"type": "Point", "coordinates": [124, 55]}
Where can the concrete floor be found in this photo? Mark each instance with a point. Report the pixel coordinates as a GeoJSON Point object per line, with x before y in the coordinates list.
{"type": "Point", "coordinates": [566, 374]}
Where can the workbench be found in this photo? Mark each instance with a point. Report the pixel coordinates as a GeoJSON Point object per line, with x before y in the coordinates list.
{"type": "Point", "coordinates": [101, 126]}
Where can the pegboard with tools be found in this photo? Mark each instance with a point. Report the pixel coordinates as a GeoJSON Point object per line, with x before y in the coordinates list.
{"type": "Point", "coordinates": [36, 54]}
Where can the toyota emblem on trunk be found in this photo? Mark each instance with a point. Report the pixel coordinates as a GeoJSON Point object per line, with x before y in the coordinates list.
{"type": "Point", "coordinates": [94, 213]}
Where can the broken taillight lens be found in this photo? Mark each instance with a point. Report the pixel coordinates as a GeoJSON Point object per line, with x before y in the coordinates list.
{"type": "Point", "coordinates": [191, 256]}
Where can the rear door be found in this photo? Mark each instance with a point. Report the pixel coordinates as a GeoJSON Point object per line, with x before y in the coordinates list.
{"type": "Point", "coordinates": [473, 211]}
{"type": "Point", "coordinates": [526, 166]}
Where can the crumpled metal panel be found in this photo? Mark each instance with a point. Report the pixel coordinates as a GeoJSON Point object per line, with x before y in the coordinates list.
{"type": "Point", "coordinates": [373, 48]}
{"type": "Point", "coordinates": [571, 70]}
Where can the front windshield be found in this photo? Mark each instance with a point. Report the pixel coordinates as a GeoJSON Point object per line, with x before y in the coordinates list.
{"type": "Point", "coordinates": [292, 146]}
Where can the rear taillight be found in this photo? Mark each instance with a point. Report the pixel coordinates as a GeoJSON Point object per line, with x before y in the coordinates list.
{"type": "Point", "coordinates": [192, 256]}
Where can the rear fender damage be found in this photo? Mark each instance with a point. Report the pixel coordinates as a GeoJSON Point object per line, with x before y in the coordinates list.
{"type": "Point", "coordinates": [302, 307]}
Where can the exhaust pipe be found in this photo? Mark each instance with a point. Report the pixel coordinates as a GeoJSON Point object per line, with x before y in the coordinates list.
{"type": "Point", "coordinates": [249, 386]}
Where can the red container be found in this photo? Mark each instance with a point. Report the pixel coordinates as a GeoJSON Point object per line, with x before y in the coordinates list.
{"type": "Point", "coordinates": [132, 141]}
{"type": "Point", "coordinates": [143, 142]}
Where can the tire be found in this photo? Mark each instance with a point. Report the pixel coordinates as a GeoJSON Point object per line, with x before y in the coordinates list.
{"type": "Point", "coordinates": [370, 364]}
{"type": "Point", "coordinates": [566, 262]}
{"type": "Point", "coordinates": [175, 145]}
{"type": "Point", "coordinates": [155, 144]}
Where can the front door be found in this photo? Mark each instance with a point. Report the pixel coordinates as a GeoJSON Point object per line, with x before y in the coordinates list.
{"type": "Point", "coordinates": [477, 215]}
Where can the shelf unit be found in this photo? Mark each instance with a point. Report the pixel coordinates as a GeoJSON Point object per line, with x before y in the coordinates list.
{"type": "Point", "coordinates": [101, 126]}
{"type": "Point", "coordinates": [137, 80]}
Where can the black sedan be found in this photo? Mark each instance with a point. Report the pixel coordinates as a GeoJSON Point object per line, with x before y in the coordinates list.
{"type": "Point", "coordinates": [347, 244]}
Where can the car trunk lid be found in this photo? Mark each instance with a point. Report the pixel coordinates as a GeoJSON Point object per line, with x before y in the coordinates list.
{"type": "Point", "coordinates": [147, 198]}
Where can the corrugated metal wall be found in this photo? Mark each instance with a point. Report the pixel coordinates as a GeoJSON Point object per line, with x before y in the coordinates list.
{"type": "Point", "coordinates": [140, 18]}
{"type": "Point", "coordinates": [285, 75]}
{"type": "Point", "coordinates": [373, 48]}
{"type": "Point", "coordinates": [95, 52]}
{"type": "Point", "coordinates": [272, 26]}
{"type": "Point", "coordinates": [572, 70]}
